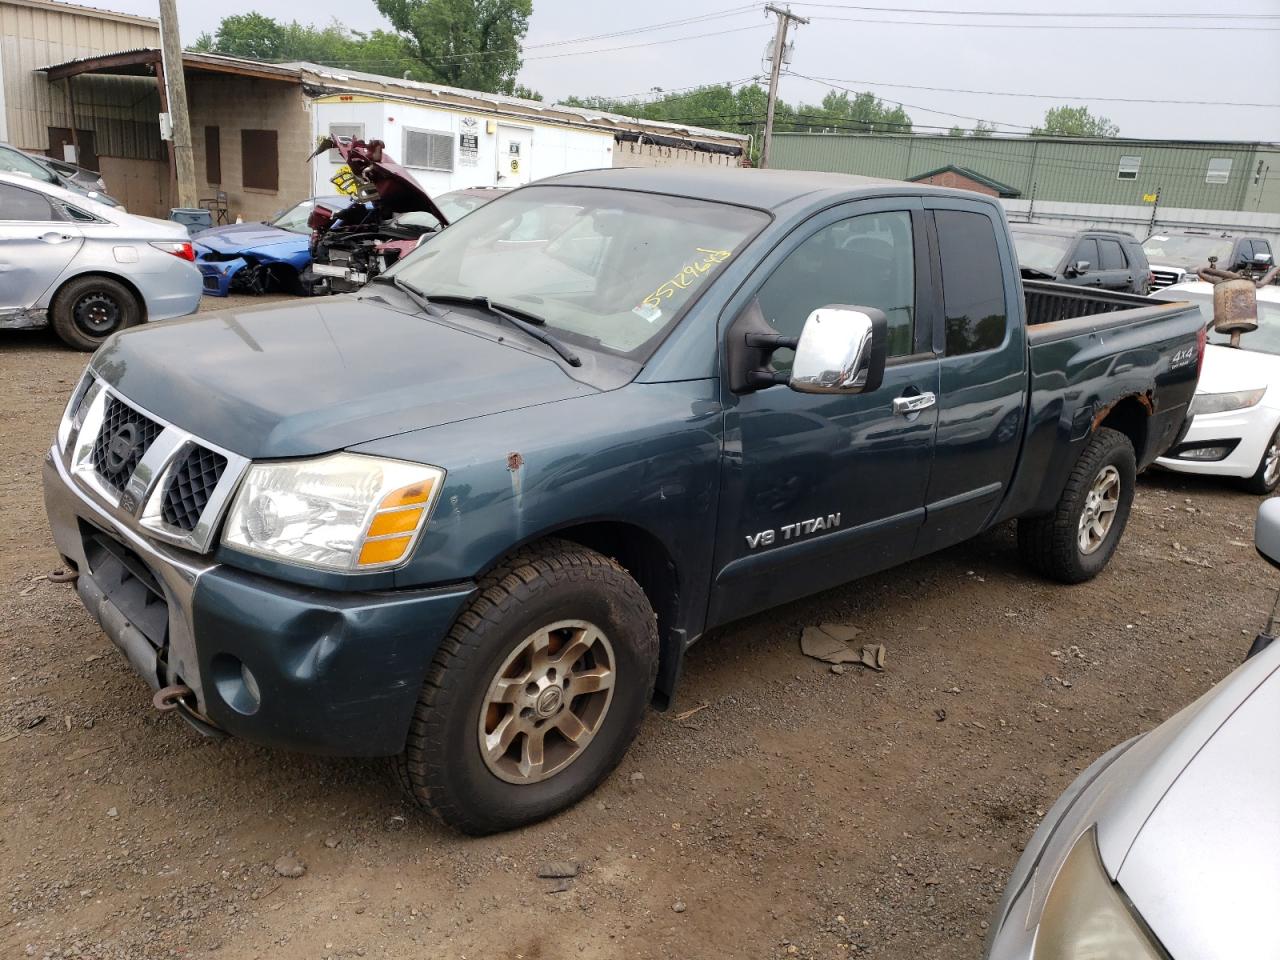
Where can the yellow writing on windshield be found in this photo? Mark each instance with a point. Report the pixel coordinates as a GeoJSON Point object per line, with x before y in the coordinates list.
{"type": "Point", "coordinates": [688, 274]}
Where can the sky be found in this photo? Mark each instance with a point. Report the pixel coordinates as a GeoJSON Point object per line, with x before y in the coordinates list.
{"type": "Point", "coordinates": [960, 60]}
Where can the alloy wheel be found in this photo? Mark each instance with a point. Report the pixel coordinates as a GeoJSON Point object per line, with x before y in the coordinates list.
{"type": "Point", "coordinates": [547, 701]}
{"type": "Point", "coordinates": [1099, 511]}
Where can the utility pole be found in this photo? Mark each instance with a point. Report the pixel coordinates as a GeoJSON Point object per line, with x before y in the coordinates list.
{"type": "Point", "coordinates": [176, 96]}
{"type": "Point", "coordinates": [779, 44]}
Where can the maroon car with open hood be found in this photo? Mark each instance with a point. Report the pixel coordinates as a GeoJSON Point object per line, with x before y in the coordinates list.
{"type": "Point", "coordinates": [351, 246]}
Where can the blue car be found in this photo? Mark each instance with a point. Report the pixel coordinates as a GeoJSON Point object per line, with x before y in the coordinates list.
{"type": "Point", "coordinates": [260, 257]}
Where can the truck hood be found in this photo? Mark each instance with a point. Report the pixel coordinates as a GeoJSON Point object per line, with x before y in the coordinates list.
{"type": "Point", "coordinates": [321, 375]}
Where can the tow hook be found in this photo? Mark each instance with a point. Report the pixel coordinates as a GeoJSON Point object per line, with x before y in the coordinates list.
{"type": "Point", "coordinates": [168, 698]}
{"type": "Point", "coordinates": [62, 576]}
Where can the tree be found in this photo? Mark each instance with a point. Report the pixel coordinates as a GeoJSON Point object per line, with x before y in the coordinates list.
{"type": "Point", "coordinates": [980, 129]}
{"type": "Point", "coordinates": [1075, 122]}
{"type": "Point", "coordinates": [257, 37]}
{"type": "Point", "coordinates": [473, 44]}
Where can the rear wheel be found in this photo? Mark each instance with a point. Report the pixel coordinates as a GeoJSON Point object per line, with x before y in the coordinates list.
{"type": "Point", "coordinates": [1267, 476]}
{"type": "Point", "coordinates": [536, 692]}
{"type": "Point", "coordinates": [1075, 542]}
{"type": "Point", "coordinates": [88, 310]}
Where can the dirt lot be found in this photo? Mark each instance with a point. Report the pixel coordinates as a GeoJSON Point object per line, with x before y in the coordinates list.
{"type": "Point", "coordinates": [801, 813]}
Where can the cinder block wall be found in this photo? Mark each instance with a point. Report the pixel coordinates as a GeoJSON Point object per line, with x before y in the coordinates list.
{"type": "Point", "coordinates": [233, 104]}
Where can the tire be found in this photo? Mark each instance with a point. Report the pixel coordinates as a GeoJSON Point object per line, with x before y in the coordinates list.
{"type": "Point", "coordinates": [1052, 544]}
{"type": "Point", "coordinates": [553, 590]}
{"type": "Point", "coordinates": [88, 310]}
{"type": "Point", "coordinates": [1261, 482]}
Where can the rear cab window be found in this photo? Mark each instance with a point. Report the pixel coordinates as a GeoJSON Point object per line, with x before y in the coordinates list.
{"type": "Point", "coordinates": [973, 294]}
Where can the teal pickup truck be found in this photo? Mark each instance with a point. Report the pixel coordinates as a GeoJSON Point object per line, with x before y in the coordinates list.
{"type": "Point", "coordinates": [472, 516]}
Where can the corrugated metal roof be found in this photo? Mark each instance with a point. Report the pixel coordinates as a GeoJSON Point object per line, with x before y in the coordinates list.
{"type": "Point", "coordinates": [98, 13]}
{"type": "Point", "coordinates": [546, 111]}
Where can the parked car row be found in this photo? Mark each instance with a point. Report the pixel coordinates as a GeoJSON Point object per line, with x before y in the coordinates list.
{"type": "Point", "coordinates": [59, 173]}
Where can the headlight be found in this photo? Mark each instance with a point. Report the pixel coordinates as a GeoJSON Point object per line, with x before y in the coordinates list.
{"type": "Point", "coordinates": [1222, 402]}
{"type": "Point", "coordinates": [1086, 918]}
{"type": "Point", "coordinates": [81, 400]}
{"type": "Point", "coordinates": [340, 512]}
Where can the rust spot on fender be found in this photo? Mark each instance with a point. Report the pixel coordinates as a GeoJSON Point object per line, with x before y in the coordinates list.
{"type": "Point", "coordinates": [514, 462]}
{"type": "Point", "coordinates": [1146, 400]}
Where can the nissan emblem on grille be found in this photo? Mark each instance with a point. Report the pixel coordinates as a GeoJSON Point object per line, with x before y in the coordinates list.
{"type": "Point", "coordinates": [120, 448]}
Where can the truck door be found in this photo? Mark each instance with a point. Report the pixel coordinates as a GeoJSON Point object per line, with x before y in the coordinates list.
{"type": "Point", "coordinates": [36, 245]}
{"type": "Point", "coordinates": [1086, 252]}
{"type": "Point", "coordinates": [983, 371]}
{"type": "Point", "coordinates": [817, 490]}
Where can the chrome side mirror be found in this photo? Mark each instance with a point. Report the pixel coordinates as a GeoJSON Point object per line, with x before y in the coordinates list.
{"type": "Point", "coordinates": [841, 350]}
{"type": "Point", "coordinates": [1081, 267]}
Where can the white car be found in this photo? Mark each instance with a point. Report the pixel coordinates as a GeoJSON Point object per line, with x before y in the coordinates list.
{"type": "Point", "coordinates": [1235, 430]}
{"type": "Point", "coordinates": [85, 268]}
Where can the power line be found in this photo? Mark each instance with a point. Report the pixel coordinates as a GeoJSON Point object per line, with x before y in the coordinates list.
{"type": "Point", "coordinates": [913, 106]}
{"type": "Point", "coordinates": [350, 62]}
{"type": "Point", "coordinates": [732, 12]}
{"type": "Point", "coordinates": [1036, 26]}
{"type": "Point", "coordinates": [1051, 96]}
{"type": "Point", "coordinates": [1090, 15]}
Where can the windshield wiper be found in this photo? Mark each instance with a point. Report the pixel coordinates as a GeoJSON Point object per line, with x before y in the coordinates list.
{"type": "Point", "coordinates": [530, 323]}
{"type": "Point", "coordinates": [414, 294]}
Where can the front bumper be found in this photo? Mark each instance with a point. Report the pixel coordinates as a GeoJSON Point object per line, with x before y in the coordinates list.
{"type": "Point", "coordinates": [278, 664]}
{"type": "Point", "coordinates": [1247, 432]}
{"type": "Point", "coordinates": [216, 275]}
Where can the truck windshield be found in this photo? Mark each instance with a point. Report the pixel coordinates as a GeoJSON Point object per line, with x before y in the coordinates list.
{"type": "Point", "coordinates": [1199, 249]}
{"type": "Point", "coordinates": [610, 269]}
{"type": "Point", "coordinates": [1040, 251]}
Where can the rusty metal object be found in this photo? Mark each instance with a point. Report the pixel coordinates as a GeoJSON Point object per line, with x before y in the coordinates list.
{"type": "Point", "coordinates": [1235, 308]}
{"type": "Point", "coordinates": [62, 576]}
{"type": "Point", "coordinates": [167, 698]}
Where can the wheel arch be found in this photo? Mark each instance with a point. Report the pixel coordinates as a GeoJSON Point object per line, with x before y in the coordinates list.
{"type": "Point", "coordinates": [651, 564]}
{"type": "Point", "coordinates": [117, 277]}
{"type": "Point", "coordinates": [1130, 415]}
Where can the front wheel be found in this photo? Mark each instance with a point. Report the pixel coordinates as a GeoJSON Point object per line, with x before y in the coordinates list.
{"type": "Point", "coordinates": [535, 693]}
{"type": "Point", "coordinates": [1267, 476]}
{"type": "Point", "coordinates": [1074, 543]}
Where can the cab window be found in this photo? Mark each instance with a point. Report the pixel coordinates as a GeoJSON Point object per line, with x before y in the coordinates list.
{"type": "Point", "coordinates": [972, 282]}
{"type": "Point", "coordinates": [866, 261]}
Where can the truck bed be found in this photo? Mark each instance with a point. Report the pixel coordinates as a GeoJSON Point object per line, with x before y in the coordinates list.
{"type": "Point", "coordinates": [1090, 352]}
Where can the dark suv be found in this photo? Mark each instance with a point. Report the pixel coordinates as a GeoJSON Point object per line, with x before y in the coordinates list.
{"type": "Point", "coordinates": [1174, 256]}
{"type": "Point", "coordinates": [1109, 259]}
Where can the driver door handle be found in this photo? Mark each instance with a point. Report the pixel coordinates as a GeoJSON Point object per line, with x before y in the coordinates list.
{"type": "Point", "coordinates": [905, 406]}
{"type": "Point", "coordinates": [56, 237]}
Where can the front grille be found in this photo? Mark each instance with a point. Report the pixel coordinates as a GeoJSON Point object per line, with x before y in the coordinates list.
{"type": "Point", "coordinates": [123, 441]}
{"type": "Point", "coordinates": [1165, 278]}
{"type": "Point", "coordinates": [128, 583]}
{"type": "Point", "coordinates": [191, 487]}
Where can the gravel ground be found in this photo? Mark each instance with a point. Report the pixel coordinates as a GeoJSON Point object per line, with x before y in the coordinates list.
{"type": "Point", "coordinates": [799, 812]}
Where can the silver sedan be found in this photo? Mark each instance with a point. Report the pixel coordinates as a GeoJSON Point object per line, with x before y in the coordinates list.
{"type": "Point", "coordinates": [1169, 845]}
{"type": "Point", "coordinates": [86, 268]}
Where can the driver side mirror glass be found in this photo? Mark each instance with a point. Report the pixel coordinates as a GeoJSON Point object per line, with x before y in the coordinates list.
{"type": "Point", "coordinates": [841, 350]}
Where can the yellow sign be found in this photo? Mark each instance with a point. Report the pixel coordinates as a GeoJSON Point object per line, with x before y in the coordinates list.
{"type": "Point", "coordinates": [348, 98]}
{"type": "Point", "coordinates": [345, 181]}
{"type": "Point", "coordinates": [1149, 197]}
{"type": "Point", "coordinates": [515, 165]}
